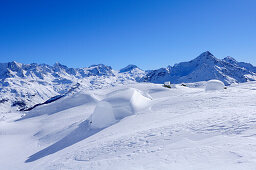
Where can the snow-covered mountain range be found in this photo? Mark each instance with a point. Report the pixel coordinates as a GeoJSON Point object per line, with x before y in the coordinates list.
{"type": "Point", "coordinates": [25, 85]}
{"type": "Point", "coordinates": [205, 67]}
{"type": "Point", "coordinates": [96, 118]}
{"type": "Point", "coordinates": [22, 86]}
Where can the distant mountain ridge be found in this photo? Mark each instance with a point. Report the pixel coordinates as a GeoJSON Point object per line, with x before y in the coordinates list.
{"type": "Point", "coordinates": [23, 86]}
{"type": "Point", "coordinates": [39, 71]}
{"type": "Point", "coordinates": [205, 67]}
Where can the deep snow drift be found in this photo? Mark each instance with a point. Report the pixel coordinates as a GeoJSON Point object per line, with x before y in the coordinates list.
{"type": "Point", "coordinates": [68, 102]}
{"type": "Point", "coordinates": [103, 115]}
{"type": "Point", "coordinates": [118, 105]}
{"type": "Point", "coordinates": [213, 85]}
{"type": "Point", "coordinates": [137, 126]}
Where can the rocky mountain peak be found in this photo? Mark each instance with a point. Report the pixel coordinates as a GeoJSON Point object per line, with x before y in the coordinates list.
{"type": "Point", "coordinates": [128, 68]}
{"type": "Point", "coordinates": [230, 60]}
{"type": "Point", "coordinates": [205, 56]}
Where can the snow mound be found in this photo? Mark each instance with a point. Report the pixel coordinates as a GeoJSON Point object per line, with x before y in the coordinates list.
{"type": "Point", "coordinates": [118, 105]}
{"type": "Point", "coordinates": [214, 85]}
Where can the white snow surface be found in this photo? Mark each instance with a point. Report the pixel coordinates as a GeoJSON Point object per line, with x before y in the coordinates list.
{"type": "Point", "coordinates": [118, 105]}
{"type": "Point", "coordinates": [179, 128]}
{"type": "Point", "coordinates": [213, 85]}
{"type": "Point", "coordinates": [103, 115]}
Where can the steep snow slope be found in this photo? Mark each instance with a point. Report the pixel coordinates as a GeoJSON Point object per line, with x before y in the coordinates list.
{"type": "Point", "coordinates": [205, 67]}
{"type": "Point", "coordinates": [181, 128]}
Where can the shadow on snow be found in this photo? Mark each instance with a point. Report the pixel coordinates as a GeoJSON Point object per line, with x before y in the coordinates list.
{"type": "Point", "coordinates": [82, 132]}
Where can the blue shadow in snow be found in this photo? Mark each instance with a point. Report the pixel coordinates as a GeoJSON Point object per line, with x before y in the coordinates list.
{"type": "Point", "coordinates": [82, 132]}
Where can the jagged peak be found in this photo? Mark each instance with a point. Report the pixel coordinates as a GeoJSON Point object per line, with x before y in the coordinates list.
{"type": "Point", "coordinates": [128, 68]}
{"type": "Point", "coordinates": [14, 65]}
{"type": "Point", "coordinates": [59, 65]}
{"type": "Point", "coordinates": [230, 60]}
{"type": "Point", "coordinates": [15, 62]}
{"type": "Point", "coordinates": [100, 66]}
{"type": "Point", "coordinates": [207, 55]}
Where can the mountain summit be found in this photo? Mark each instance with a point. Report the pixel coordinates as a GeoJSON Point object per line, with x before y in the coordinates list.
{"type": "Point", "coordinates": [128, 68]}
{"type": "Point", "coordinates": [205, 67]}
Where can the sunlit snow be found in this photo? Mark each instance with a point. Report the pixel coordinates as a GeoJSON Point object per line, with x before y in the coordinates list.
{"type": "Point", "coordinates": [136, 126]}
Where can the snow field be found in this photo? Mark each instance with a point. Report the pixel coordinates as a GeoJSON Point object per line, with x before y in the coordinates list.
{"type": "Point", "coordinates": [180, 128]}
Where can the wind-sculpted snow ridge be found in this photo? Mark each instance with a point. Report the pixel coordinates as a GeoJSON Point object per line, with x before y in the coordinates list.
{"type": "Point", "coordinates": [203, 68]}
{"type": "Point", "coordinates": [64, 103]}
{"type": "Point", "coordinates": [118, 105]}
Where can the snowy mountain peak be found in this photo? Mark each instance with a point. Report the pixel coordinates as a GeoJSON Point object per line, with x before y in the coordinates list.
{"type": "Point", "coordinates": [206, 56]}
{"type": "Point", "coordinates": [100, 70]}
{"type": "Point", "coordinates": [59, 66]}
{"type": "Point", "coordinates": [203, 68]}
{"type": "Point", "coordinates": [100, 66]}
{"type": "Point", "coordinates": [14, 65]}
{"type": "Point", "coordinates": [230, 60]}
{"type": "Point", "coordinates": [128, 68]}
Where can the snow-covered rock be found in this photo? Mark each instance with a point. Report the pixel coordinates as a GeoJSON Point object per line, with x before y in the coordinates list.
{"type": "Point", "coordinates": [213, 85]}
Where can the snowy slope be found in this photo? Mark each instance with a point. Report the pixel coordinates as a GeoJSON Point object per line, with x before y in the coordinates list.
{"type": "Point", "coordinates": [205, 67]}
{"type": "Point", "coordinates": [179, 128]}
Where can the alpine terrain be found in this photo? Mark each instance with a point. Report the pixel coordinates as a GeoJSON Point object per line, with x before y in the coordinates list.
{"type": "Point", "coordinates": [97, 118]}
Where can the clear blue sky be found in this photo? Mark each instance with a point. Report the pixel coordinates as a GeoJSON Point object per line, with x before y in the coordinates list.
{"type": "Point", "coordinates": [148, 33]}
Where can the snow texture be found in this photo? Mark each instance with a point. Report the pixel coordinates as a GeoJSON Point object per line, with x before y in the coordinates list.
{"type": "Point", "coordinates": [155, 128]}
